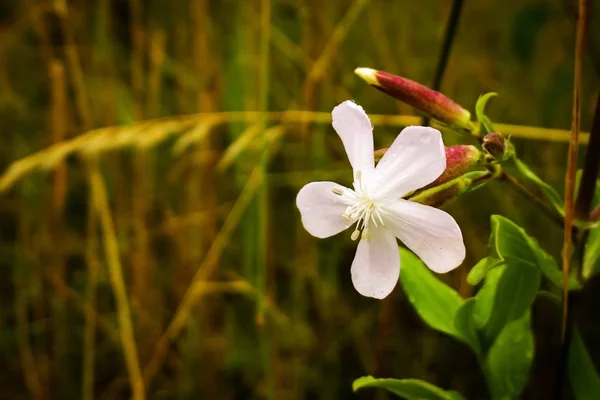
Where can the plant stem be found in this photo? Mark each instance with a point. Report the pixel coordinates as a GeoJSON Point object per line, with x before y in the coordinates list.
{"type": "Point", "coordinates": [572, 159]}
{"type": "Point", "coordinates": [449, 36]}
{"type": "Point", "coordinates": [567, 315]}
{"type": "Point", "coordinates": [546, 209]}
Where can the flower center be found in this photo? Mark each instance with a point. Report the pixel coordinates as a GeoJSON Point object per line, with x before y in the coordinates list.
{"type": "Point", "coordinates": [362, 208]}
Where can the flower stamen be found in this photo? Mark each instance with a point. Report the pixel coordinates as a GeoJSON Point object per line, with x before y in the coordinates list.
{"type": "Point", "coordinates": [363, 211]}
{"type": "Point", "coordinates": [366, 234]}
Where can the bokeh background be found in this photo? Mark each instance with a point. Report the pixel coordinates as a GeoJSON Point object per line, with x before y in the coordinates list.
{"type": "Point", "coordinates": [159, 232]}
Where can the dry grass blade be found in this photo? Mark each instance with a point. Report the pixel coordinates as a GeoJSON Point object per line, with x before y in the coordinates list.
{"type": "Point", "coordinates": [238, 146]}
{"type": "Point", "coordinates": [89, 335]}
{"type": "Point", "coordinates": [74, 62]}
{"type": "Point", "coordinates": [28, 362]}
{"type": "Point", "coordinates": [208, 266]}
{"type": "Point", "coordinates": [195, 135]}
{"type": "Point", "coordinates": [152, 132]}
{"type": "Point", "coordinates": [115, 272]}
{"type": "Point", "coordinates": [320, 66]}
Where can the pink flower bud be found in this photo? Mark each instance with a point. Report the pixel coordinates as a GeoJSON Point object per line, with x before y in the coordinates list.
{"type": "Point", "coordinates": [497, 146]}
{"type": "Point", "coordinates": [429, 102]}
{"type": "Point", "coordinates": [459, 159]}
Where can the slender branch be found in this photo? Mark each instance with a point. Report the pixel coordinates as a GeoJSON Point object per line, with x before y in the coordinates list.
{"type": "Point", "coordinates": [572, 160]}
{"type": "Point", "coordinates": [587, 186]}
{"type": "Point", "coordinates": [482, 179]}
{"type": "Point", "coordinates": [449, 36]}
{"type": "Point", "coordinates": [592, 46]}
{"type": "Point", "coordinates": [567, 314]}
{"type": "Point", "coordinates": [546, 209]}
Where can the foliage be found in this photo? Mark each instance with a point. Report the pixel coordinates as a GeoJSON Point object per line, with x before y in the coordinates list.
{"type": "Point", "coordinates": [196, 159]}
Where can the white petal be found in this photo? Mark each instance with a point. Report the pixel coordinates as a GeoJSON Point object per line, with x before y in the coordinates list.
{"type": "Point", "coordinates": [431, 233]}
{"type": "Point", "coordinates": [321, 209]}
{"type": "Point", "coordinates": [376, 266]}
{"type": "Point", "coordinates": [354, 128]}
{"type": "Point", "coordinates": [415, 159]}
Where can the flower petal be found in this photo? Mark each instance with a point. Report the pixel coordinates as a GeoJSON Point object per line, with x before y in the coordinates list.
{"type": "Point", "coordinates": [376, 266]}
{"type": "Point", "coordinates": [431, 233]}
{"type": "Point", "coordinates": [415, 159]}
{"type": "Point", "coordinates": [321, 209]}
{"type": "Point", "coordinates": [354, 128]}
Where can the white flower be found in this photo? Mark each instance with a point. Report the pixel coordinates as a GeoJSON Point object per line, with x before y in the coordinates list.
{"type": "Point", "coordinates": [375, 205]}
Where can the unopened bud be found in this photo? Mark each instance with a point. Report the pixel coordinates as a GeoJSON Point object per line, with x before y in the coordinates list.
{"type": "Point", "coordinates": [497, 146]}
{"type": "Point", "coordinates": [428, 101]}
{"type": "Point", "coordinates": [459, 159]}
{"type": "Point", "coordinates": [441, 195]}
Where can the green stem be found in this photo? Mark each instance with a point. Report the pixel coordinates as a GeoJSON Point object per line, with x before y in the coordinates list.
{"type": "Point", "coordinates": [521, 189]}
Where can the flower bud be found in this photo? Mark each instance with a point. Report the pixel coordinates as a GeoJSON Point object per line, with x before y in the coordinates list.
{"type": "Point", "coordinates": [428, 101]}
{"type": "Point", "coordinates": [497, 146]}
{"type": "Point", "coordinates": [459, 159]}
{"type": "Point", "coordinates": [438, 196]}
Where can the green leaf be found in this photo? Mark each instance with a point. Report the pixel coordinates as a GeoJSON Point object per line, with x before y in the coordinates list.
{"type": "Point", "coordinates": [479, 270]}
{"type": "Point", "coordinates": [509, 359]}
{"type": "Point", "coordinates": [486, 123]}
{"type": "Point", "coordinates": [511, 244]}
{"type": "Point", "coordinates": [407, 388]}
{"type": "Point", "coordinates": [435, 302]}
{"type": "Point", "coordinates": [585, 381]}
{"type": "Point", "coordinates": [506, 295]}
{"type": "Point", "coordinates": [591, 257]}
{"type": "Point", "coordinates": [477, 273]}
{"type": "Point", "coordinates": [485, 297]}
{"type": "Point", "coordinates": [548, 190]}
{"type": "Point", "coordinates": [464, 322]}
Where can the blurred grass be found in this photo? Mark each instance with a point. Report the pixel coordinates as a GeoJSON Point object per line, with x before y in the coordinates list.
{"type": "Point", "coordinates": [152, 153]}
